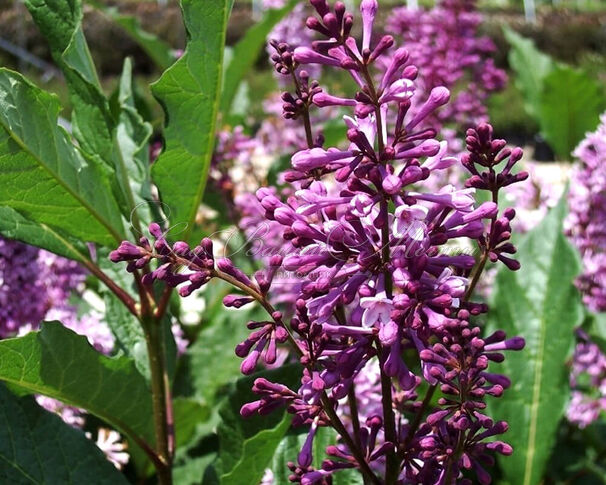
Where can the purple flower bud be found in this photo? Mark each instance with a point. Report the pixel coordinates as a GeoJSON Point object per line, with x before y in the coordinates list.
{"type": "Point", "coordinates": [305, 55]}
{"type": "Point", "coordinates": [368, 8]}
{"type": "Point", "coordinates": [439, 96]}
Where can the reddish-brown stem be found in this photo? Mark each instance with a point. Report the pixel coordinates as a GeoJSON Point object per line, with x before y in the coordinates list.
{"type": "Point", "coordinates": [123, 296]}
{"type": "Point", "coordinates": [163, 303]}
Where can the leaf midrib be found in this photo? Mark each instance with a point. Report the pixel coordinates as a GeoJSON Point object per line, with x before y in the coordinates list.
{"type": "Point", "coordinates": [67, 188]}
{"type": "Point", "coordinates": [538, 375]}
{"type": "Point", "coordinates": [211, 138]}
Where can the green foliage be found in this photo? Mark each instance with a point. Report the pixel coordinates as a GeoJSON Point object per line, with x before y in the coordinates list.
{"type": "Point", "coordinates": [595, 326]}
{"type": "Point", "coordinates": [15, 226]}
{"type": "Point", "coordinates": [37, 447]}
{"type": "Point", "coordinates": [190, 92]}
{"type": "Point", "coordinates": [578, 456]}
{"type": "Point", "coordinates": [60, 364]}
{"type": "Point", "coordinates": [565, 102]}
{"type": "Point", "coordinates": [157, 50]}
{"type": "Point", "coordinates": [43, 176]}
{"type": "Point", "coordinates": [61, 24]}
{"type": "Point", "coordinates": [131, 150]}
{"type": "Point", "coordinates": [289, 448]}
{"type": "Point", "coordinates": [570, 106]}
{"type": "Point", "coordinates": [246, 51]}
{"type": "Point", "coordinates": [540, 303]}
{"type": "Point", "coordinates": [196, 378]}
{"type": "Point", "coordinates": [247, 446]}
{"type": "Point", "coordinates": [531, 67]}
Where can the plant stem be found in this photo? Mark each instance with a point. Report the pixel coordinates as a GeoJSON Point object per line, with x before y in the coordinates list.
{"type": "Point", "coordinates": [482, 264]}
{"type": "Point", "coordinates": [161, 398]}
{"type": "Point", "coordinates": [353, 410]}
{"type": "Point", "coordinates": [122, 295]}
{"type": "Point", "coordinates": [392, 468]}
{"type": "Point", "coordinates": [419, 416]}
{"type": "Point", "coordinates": [355, 451]}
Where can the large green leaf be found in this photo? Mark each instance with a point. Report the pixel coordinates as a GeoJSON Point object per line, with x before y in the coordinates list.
{"type": "Point", "coordinates": [540, 303]}
{"type": "Point", "coordinates": [570, 106]}
{"type": "Point", "coordinates": [61, 364]}
{"type": "Point", "coordinates": [13, 225]}
{"type": "Point", "coordinates": [189, 92]}
{"type": "Point", "coordinates": [60, 23]}
{"type": "Point", "coordinates": [128, 332]}
{"type": "Point", "coordinates": [531, 67]}
{"type": "Point", "coordinates": [38, 447]}
{"type": "Point", "coordinates": [93, 124]}
{"type": "Point", "coordinates": [246, 52]}
{"type": "Point", "coordinates": [42, 175]}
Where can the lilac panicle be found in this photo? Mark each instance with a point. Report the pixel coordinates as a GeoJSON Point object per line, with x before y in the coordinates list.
{"type": "Point", "coordinates": [586, 227]}
{"type": "Point", "coordinates": [379, 285]}
{"type": "Point", "coordinates": [586, 222]}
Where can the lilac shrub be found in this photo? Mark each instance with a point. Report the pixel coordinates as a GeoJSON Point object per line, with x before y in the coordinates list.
{"type": "Point", "coordinates": [379, 282]}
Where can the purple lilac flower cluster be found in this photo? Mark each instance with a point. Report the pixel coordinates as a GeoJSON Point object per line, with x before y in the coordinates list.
{"type": "Point", "coordinates": [444, 44]}
{"type": "Point", "coordinates": [588, 383]}
{"type": "Point", "coordinates": [586, 223]}
{"type": "Point", "coordinates": [42, 279]}
{"type": "Point", "coordinates": [586, 227]}
{"type": "Point", "coordinates": [377, 283]}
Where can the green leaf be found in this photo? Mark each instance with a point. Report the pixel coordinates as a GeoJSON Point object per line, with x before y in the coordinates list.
{"type": "Point", "coordinates": [13, 225]}
{"type": "Point", "coordinates": [188, 414]}
{"type": "Point", "coordinates": [196, 378]}
{"type": "Point", "coordinates": [595, 326]}
{"type": "Point", "coordinates": [347, 477]}
{"type": "Point", "coordinates": [38, 447]}
{"type": "Point", "coordinates": [247, 446]}
{"type": "Point", "coordinates": [289, 447]}
{"type": "Point", "coordinates": [246, 52]}
{"type": "Point", "coordinates": [288, 450]}
{"type": "Point", "coordinates": [257, 453]}
{"type": "Point", "coordinates": [540, 303]}
{"type": "Point", "coordinates": [576, 457]}
{"type": "Point", "coordinates": [531, 67]}
{"type": "Point", "coordinates": [61, 364]}
{"type": "Point", "coordinates": [157, 50]}
{"type": "Point", "coordinates": [92, 122]}
{"type": "Point", "coordinates": [189, 92]}
{"type": "Point", "coordinates": [132, 153]}
{"type": "Point", "coordinates": [42, 175]}
{"type": "Point", "coordinates": [569, 107]}
{"type": "Point", "coordinates": [128, 332]}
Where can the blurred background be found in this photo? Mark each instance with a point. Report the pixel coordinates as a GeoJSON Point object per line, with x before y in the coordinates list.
{"type": "Point", "coordinates": [572, 32]}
